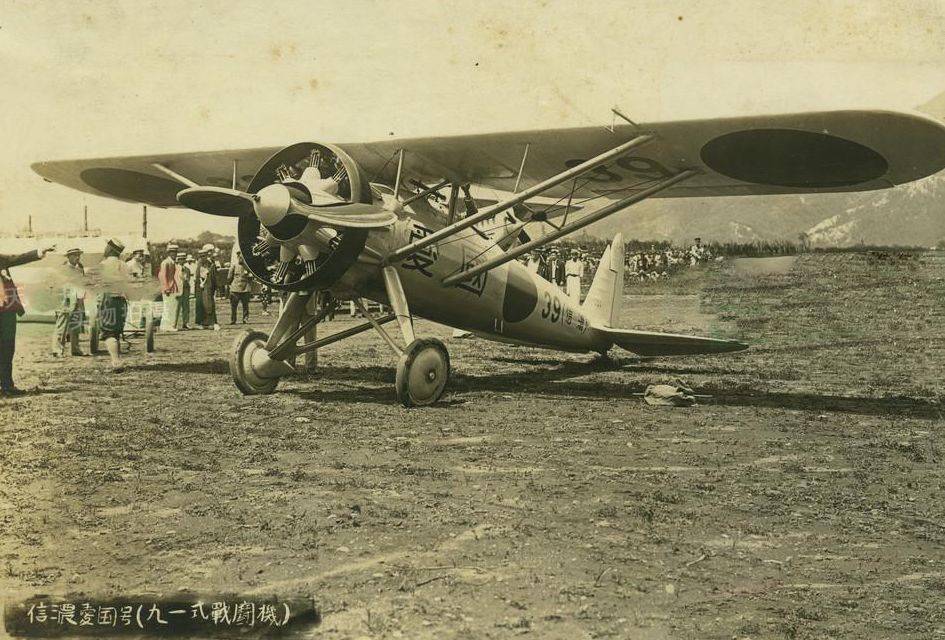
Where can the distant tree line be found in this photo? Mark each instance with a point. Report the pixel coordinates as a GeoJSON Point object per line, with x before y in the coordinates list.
{"type": "Point", "coordinates": [754, 249]}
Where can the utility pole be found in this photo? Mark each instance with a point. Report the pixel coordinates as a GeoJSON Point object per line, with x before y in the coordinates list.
{"type": "Point", "coordinates": [85, 220]}
{"type": "Point", "coordinates": [144, 221]}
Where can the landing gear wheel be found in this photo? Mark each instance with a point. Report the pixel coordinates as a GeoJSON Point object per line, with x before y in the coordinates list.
{"type": "Point", "coordinates": [241, 368]}
{"type": "Point", "coordinates": [149, 334]}
{"type": "Point", "coordinates": [422, 373]}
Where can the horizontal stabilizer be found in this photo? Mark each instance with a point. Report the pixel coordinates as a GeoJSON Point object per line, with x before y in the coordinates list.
{"type": "Point", "coordinates": [650, 343]}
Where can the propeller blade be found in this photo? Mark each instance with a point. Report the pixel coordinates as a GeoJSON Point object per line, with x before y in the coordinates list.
{"type": "Point", "coordinates": [354, 215]}
{"type": "Point", "coordinates": [275, 201]}
{"type": "Point", "coordinates": [217, 201]}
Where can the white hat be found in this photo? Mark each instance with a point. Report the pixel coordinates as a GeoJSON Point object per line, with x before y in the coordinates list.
{"type": "Point", "coordinates": [116, 244]}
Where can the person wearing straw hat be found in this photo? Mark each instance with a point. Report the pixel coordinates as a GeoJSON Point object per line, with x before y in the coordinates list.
{"type": "Point", "coordinates": [170, 290]}
{"type": "Point", "coordinates": [184, 276]}
{"type": "Point", "coordinates": [136, 264]}
{"type": "Point", "coordinates": [206, 288]}
{"type": "Point", "coordinates": [112, 308]}
{"type": "Point", "coordinates": [71, 312]}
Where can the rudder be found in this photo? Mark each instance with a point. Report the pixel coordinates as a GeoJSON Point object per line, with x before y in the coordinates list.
{"type": "Point", "coordinates": [602, 305]}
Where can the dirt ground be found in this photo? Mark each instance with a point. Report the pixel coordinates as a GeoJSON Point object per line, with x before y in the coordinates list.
{"type": "Point", "coordinates": [803, 499]}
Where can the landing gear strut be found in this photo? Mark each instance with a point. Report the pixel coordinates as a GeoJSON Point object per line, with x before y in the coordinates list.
{"type": "Point", "coordinates": [257, 361]}
{"type": "Point", "coordinates": [423, 367]}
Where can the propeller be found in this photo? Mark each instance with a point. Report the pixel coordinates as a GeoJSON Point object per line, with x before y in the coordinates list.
{"type": "Point", "coordinates": [304, 218]}
{"type": "Point", "coordinates": [274, 204]}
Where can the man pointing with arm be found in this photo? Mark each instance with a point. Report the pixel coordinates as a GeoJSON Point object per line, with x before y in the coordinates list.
{"type": "Point", "coordinates": [11, 307]}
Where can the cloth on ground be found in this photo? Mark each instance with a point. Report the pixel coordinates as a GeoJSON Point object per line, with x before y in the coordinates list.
{"type": "Point", "coordinates": [669, 395]}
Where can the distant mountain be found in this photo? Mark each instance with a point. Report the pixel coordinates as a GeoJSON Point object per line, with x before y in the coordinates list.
{"type": "Point", "coordinates": [912, 214]}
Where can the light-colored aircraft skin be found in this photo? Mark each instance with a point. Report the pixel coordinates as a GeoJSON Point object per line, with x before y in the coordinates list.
{"type": "Point", "coordinates": [309, 221]}
{"type": "Point", "coordinates": [507, 303]}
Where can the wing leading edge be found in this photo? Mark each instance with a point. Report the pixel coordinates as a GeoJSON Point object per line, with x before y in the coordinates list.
{"type": "Point", "coordinates": [758, 155]}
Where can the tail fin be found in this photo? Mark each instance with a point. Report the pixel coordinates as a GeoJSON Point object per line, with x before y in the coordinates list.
{"type": "Point", "coordinates": [602, 305]}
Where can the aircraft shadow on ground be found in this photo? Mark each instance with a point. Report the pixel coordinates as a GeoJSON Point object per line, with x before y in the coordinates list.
{"type": "Point", "coordinates": [373, 385]}
{"type": "Point", "coordinates": [548, 382]}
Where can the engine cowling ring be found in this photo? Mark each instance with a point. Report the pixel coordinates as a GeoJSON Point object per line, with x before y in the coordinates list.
{"type": "Point", "coordinates": [344, 249]}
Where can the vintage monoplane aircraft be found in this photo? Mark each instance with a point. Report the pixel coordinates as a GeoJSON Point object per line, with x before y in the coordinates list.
{"type": "Point", "coordinates": [322, 221]}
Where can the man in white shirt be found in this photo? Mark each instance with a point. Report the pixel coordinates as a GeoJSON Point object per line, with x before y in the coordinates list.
{"type": "Point", "coordinates": [136, 264]}
{"type": "Point", "coordinates": [574, 271]}
{"type": "Point", "coordinates": [170, 288]}
{"type": "Point", "coordinates": [69, 316]}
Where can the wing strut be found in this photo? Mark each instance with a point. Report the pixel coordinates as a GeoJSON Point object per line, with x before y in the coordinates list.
{"type": "Point", "coordinates": [400, 173]}
{"type": "Point", "coordinates": [173, 174]}
{"type": "Point", "coordinates": [521, 168]}
{"type": "Point", "coordinates": [488, 212]}
{"type": "Point", "coordinates": [590, 218]}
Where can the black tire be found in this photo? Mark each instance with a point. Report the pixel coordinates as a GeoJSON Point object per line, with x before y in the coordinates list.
{"type": "Point", "coordinates": [422, 373]}
{"type": "Point", "coordinates": [246, 382]}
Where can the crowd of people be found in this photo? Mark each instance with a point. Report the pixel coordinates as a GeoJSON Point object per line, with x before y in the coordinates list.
{"type": "Point", "coordinates": [181, 278]}
{"type": "Point", "coordinates": [659, 263]}
{"type": "Point", "coordinates": [189, 288]}
{"type": "Point", "coordinates": [562, 266]}
{"type": "Point", "coordinates": [568, 266]}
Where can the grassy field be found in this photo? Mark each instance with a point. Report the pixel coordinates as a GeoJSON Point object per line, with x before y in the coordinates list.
{"type": "Point", "coordinates": [802, 499]}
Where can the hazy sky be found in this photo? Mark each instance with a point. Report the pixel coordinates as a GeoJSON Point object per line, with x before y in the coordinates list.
{"type": "Point", "coordinates": [87, 79]}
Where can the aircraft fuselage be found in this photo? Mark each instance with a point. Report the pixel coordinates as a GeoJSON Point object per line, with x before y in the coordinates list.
{"type": "Point", "coordinates": [506, 304]}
